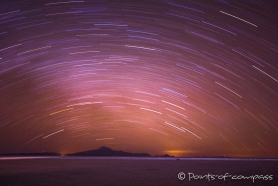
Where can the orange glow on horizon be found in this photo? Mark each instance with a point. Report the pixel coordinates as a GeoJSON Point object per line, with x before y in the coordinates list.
{"type": "Point", "coordinates": [178, 153]}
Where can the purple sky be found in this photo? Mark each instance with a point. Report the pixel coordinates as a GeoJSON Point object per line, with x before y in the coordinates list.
{"type": "Point", "coordinates": [187, 78]}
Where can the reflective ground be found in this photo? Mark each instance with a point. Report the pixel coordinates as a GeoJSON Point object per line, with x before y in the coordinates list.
{"type": "Point", "coordinates": [136, 171]}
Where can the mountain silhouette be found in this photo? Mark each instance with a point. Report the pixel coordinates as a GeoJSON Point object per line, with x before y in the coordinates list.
{"type": "Point", "coordinates": [105, 151]}
{"type": "Point", "coordinates": [165, 156]}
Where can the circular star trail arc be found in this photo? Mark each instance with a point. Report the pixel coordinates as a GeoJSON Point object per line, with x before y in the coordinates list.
{"type": "Point", "coordinates": [189, 78]}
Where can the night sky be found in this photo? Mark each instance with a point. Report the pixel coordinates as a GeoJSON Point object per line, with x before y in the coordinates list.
{"type": "Point", "coordinates": [186, 78]}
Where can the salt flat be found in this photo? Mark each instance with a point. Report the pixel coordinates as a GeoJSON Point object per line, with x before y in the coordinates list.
{"type": "Point", "coordinates": [133, 171]}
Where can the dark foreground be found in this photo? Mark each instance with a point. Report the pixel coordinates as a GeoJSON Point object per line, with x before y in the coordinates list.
{"type": "Point", "coordinates": [134, 171]}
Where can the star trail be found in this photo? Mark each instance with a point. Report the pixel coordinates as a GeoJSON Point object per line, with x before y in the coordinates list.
{"type": "Point", "coordinates": [187, 78]}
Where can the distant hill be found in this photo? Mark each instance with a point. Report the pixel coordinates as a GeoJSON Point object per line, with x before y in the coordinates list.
{"type": "Point", "coordinates": [105, 151]}
{"type": "Point", "coordinates": [165, 156]}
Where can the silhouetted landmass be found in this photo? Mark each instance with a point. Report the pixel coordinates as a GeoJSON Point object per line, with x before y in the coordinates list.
{"type": "Point", "coordinates": [32, 154]}
{"type": "Point", "coordinates": [105, 151]}
{"type": "Point", "coordinates": [165, 156]}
